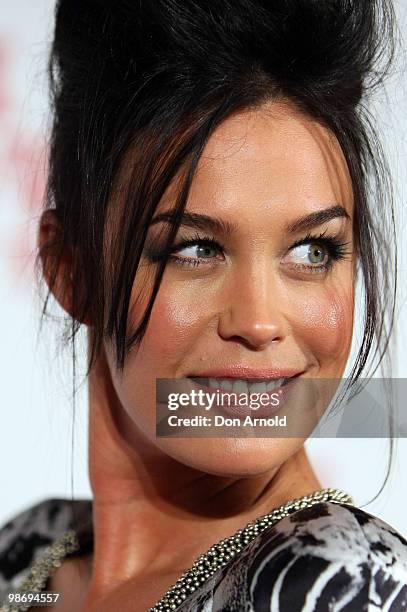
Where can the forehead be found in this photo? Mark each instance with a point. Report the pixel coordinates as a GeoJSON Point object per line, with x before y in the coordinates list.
{"type": "Point", "coordinates": [272, 157]}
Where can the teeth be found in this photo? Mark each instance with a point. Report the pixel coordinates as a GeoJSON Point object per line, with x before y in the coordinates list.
{"type": "Point", "coordinates": [257, 387]}
{"type": "Point", "coordinates": [240, 386]}
{"type": "Point", "coordinates": [226, 385]}
{"type": "Point", "coordinates": [245, 386]}
{"type": "Point", "coordinates": [274, 384]}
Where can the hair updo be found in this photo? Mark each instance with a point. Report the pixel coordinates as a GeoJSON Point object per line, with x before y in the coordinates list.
{"type": "Point", "coordinates": [143, 84]}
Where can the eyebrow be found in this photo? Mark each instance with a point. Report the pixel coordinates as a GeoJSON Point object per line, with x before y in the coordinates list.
{"type": "Point", "coordinates": [317, 218]}
{"type": "Point", "coordinates": [226, 228]}
{"type": "Point", "coordinates": [199, 221]}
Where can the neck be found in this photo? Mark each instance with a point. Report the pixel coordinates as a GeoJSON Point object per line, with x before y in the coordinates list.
{"type": "Point", "coordinates": [150, 511]}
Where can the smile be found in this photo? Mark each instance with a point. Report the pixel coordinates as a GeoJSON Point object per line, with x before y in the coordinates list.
{"type": "Point", "coordinates": [241, 385]}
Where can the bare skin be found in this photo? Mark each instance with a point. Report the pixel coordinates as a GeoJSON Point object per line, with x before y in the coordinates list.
{"type": "Point", "coordinates": [159, 503]}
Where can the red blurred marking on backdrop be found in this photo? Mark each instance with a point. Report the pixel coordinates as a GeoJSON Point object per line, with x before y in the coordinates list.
{"type": "Point", "coordinates": [27, 159]}
{"type": "Point", "coordinates": [23, 169]}
{"type": "Point", "coordinates": [5, 52]}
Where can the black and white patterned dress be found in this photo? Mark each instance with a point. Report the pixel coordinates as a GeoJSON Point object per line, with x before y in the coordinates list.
{"type": "Point", "coordinates": [332, 557]}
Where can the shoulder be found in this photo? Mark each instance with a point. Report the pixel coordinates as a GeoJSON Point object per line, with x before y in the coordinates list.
{"type": "Point", "coordinates": [330, 552]}
{"type": "Point", "coordinates": [24, 538]}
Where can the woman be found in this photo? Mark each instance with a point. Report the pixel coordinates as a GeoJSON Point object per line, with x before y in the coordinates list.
{"type": "Point", "coordinates": [209, 217]}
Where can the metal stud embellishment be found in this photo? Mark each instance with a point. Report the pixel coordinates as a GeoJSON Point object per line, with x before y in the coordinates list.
{"type": "Point", "coordinates": [223, 552]}
{"type": "Point", "coordinates": [43, 569]}
{"type": "Point", "coordinates": [218, 555]}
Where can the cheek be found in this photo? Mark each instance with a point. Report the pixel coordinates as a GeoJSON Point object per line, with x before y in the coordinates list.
{"type": "Point", "coordinates": [177, 322]}
{"type": "Point", "coordinates": [178, 319]}
{"type": "Point", "coordinates": [326, 323]}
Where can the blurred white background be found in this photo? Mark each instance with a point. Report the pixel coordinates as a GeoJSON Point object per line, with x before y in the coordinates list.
{"type": "Point", "coordinates": [36, 455]}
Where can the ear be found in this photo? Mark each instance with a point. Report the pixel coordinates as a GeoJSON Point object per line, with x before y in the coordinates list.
{"type": "Point", "coordinates": [59, 263]}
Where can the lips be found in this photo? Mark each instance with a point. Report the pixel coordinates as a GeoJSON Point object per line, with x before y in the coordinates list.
{"type": "Point", "coordinates": [239, 385]}
{"type": "Point", "coordinates": [244, 379]}
{"type": "Point", "coordinates": [272, 388]}
{"type": "Point", "coordinates": [260, 374]}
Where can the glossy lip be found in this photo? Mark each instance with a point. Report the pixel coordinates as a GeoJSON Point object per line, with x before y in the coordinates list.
{"type": "Point", "coordinates": [246, 372]}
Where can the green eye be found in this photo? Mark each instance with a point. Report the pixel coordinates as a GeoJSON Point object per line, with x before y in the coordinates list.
{"type": "Point", "coordinates": [308, 257]}
{"type": "Point", "coordinates": [309, 253]}
{"type": "Point", "coordinates": [203, 251]}
{"type": "Point", "coordinates": [316, 253]}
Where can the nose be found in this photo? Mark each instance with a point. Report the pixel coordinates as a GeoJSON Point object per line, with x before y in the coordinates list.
{"type": "Point", "coordinates": [254, 315]}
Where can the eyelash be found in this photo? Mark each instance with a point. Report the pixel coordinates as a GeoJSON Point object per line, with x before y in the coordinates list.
{"type": "Point", "coordinates": [335, 248]}
{"type": "Point", "coordinates": [155, 256]}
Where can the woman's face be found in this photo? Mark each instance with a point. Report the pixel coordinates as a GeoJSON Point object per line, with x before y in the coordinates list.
{"type": "Point", "coordinates": [256, 298]}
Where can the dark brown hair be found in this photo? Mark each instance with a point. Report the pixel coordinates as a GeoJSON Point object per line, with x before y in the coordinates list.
{"type": "Point", "coordinates": [147, 82]}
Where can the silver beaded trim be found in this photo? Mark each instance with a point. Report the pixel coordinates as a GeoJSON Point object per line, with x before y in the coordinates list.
{"type": "Point", "coordinates": [223, 552]}
{"type": "Point", "coordinates": [43, 569]}
{"type": "Point", "coordinates": [204, 567]}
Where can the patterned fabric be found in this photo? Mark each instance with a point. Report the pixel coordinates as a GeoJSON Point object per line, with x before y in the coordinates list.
{"type": "Point", "coordinates": [328, 558]}
{"type": "Point", "coordinates": [26, 536]}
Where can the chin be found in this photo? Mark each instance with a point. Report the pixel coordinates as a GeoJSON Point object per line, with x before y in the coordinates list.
{"type": "Point", "coordinates": [232, 457]}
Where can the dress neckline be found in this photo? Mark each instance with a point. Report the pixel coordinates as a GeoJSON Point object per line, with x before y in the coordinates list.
{"type": "Point", "coordinates": [79, 540]}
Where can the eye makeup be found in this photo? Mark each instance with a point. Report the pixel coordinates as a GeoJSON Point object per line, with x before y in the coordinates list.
{"type": "Point", "coordinates": [335, 248]}
{"type": "Point", "coordinates": [155, 254]}
{"type": "Point", "coordinates": [332, 244]}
